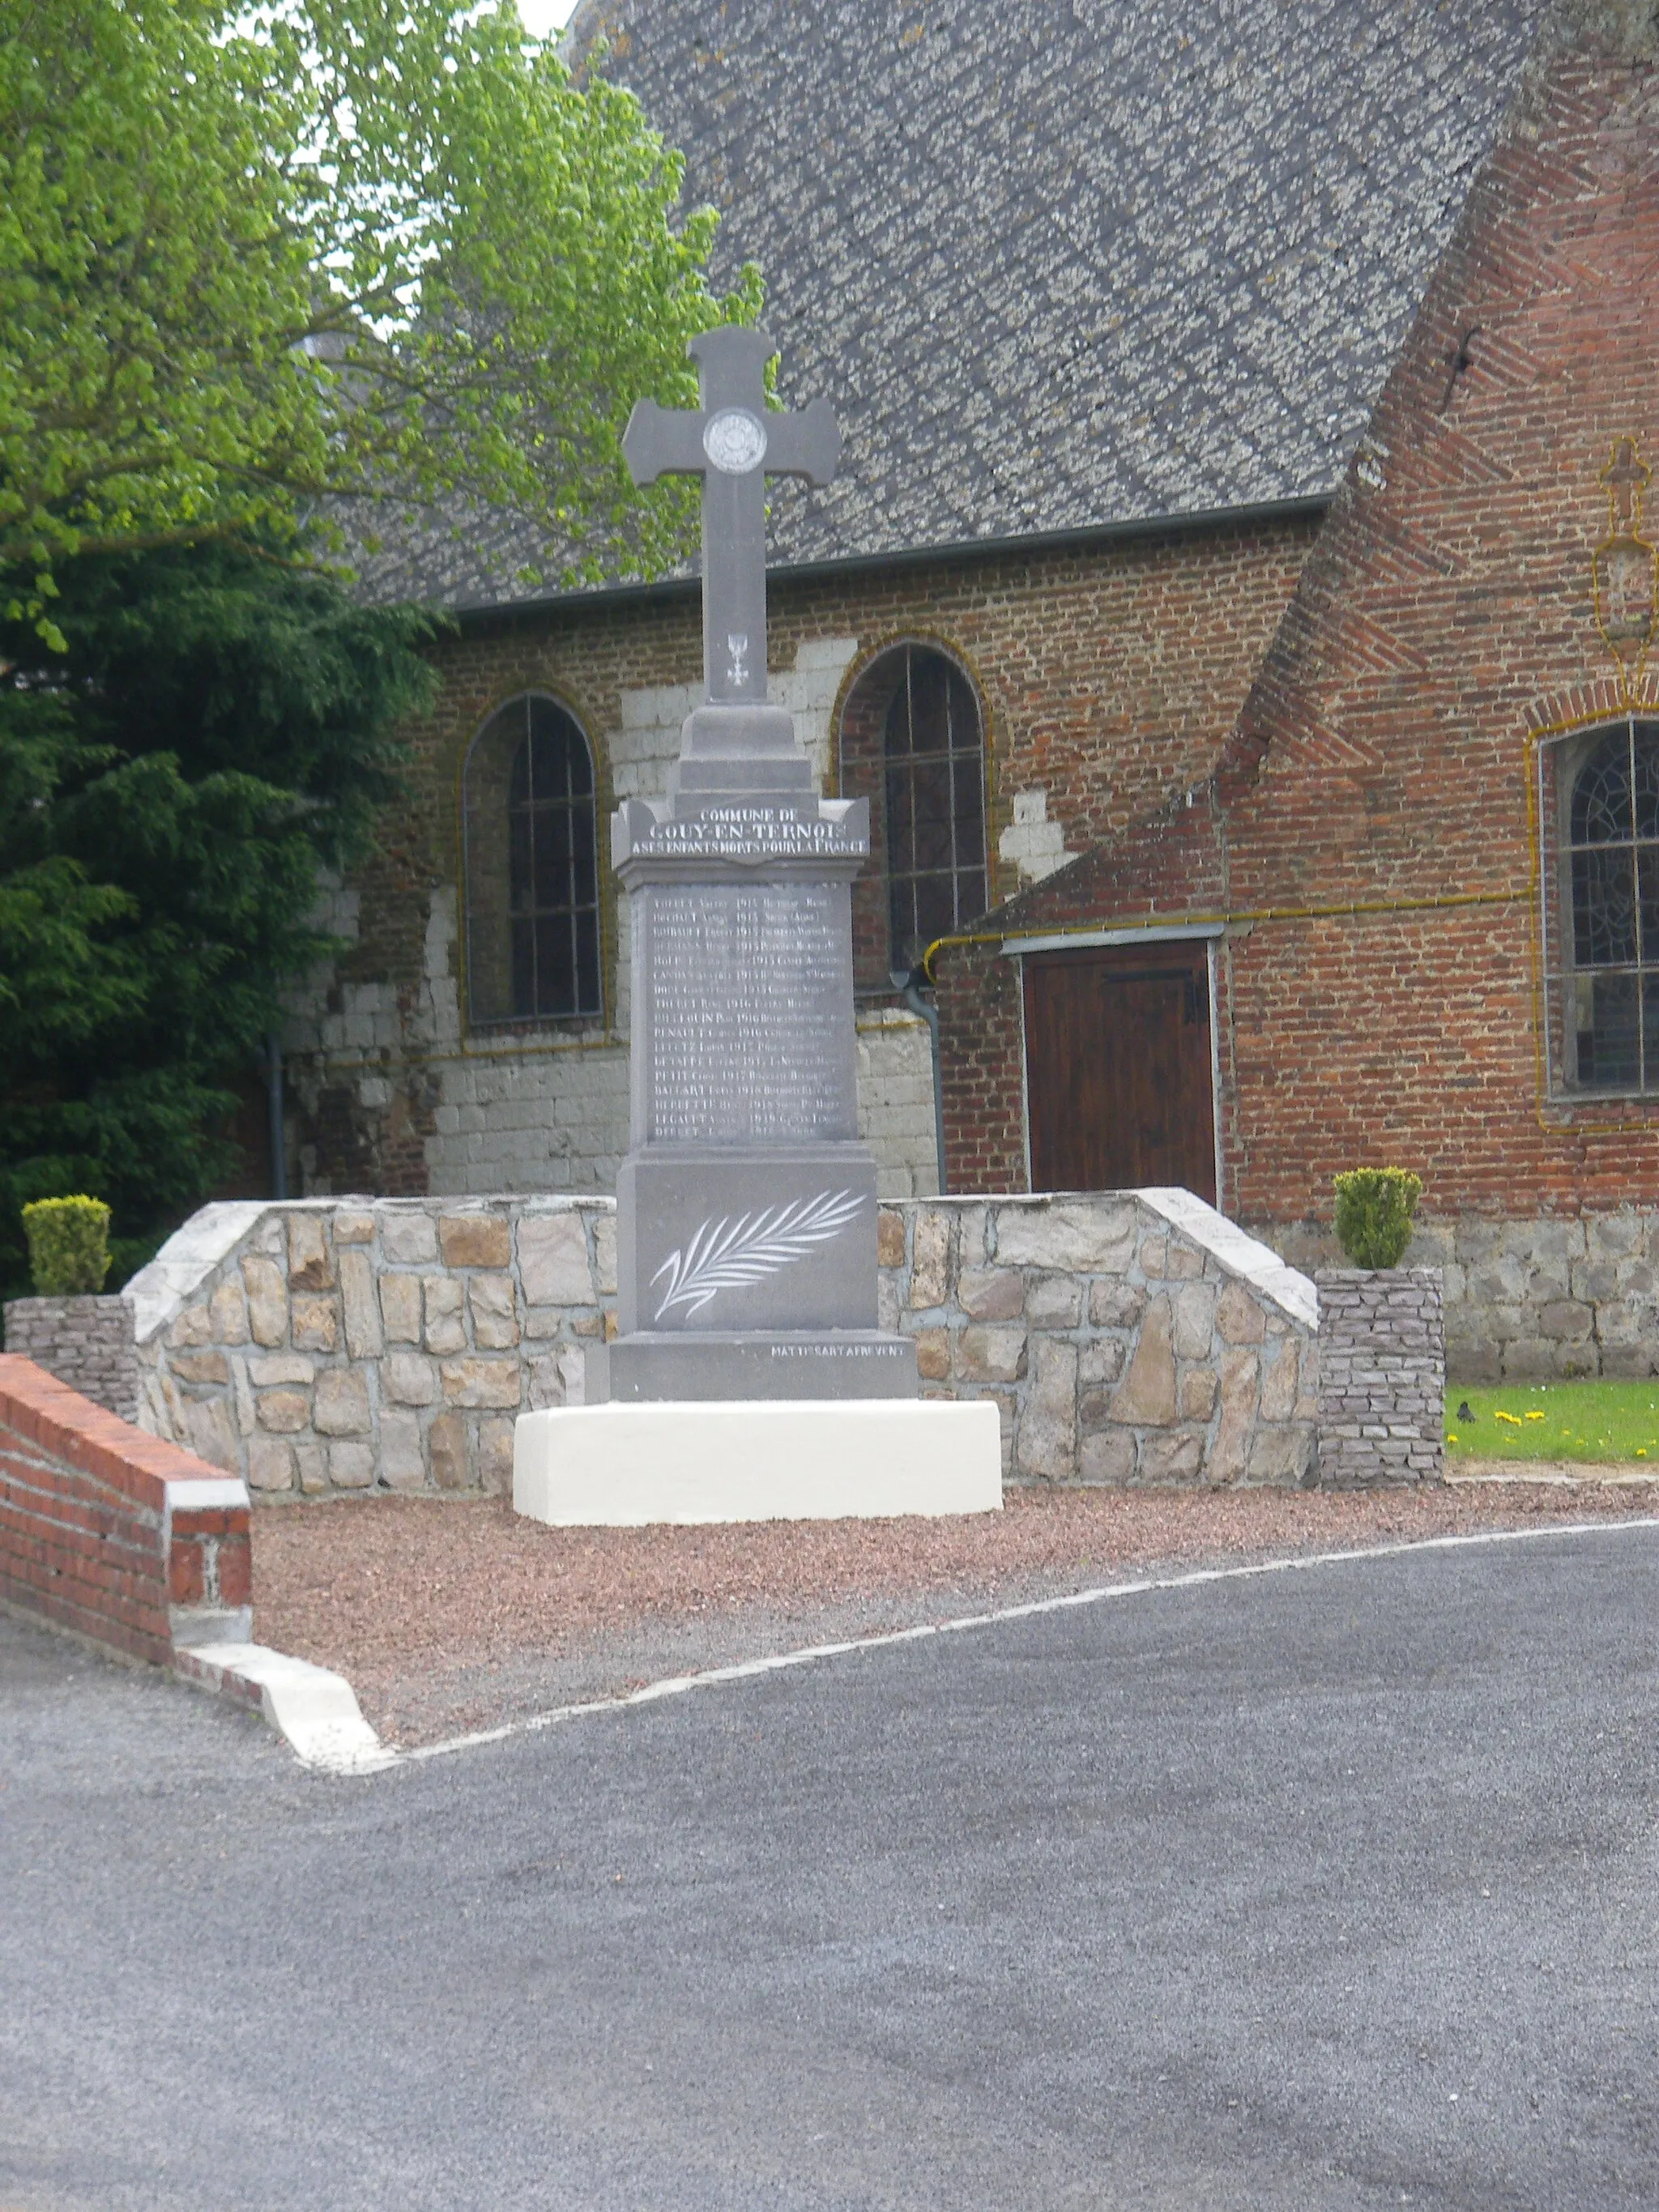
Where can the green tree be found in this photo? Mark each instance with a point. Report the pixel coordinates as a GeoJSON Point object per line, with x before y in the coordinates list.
{"type": "Point", "coordinates": [217, 727]}
{"type": "Point", "coordinates": [380, 251]}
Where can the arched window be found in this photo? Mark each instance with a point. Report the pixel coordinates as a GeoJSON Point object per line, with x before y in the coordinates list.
{"type": "Point", "coordinates": [933, 751]}
{"type": "Point", "coordinates": [1611, 873]}
{"type": "Point", "coordinates": [532, 891]}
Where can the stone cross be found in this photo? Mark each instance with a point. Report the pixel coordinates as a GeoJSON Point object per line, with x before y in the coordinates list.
{"type": "Point", "coordinates": [734, 443]}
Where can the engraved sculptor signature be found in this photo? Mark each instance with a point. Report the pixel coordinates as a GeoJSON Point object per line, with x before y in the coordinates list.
{"type": "Point", "coordinates": [731, 1255]}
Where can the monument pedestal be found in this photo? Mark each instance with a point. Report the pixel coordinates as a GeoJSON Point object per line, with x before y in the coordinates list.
{"type": "Point", "coordinates": [623, 1466]}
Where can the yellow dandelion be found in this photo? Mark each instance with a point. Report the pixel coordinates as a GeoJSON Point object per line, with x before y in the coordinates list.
{"type": "Point", "coordinates": [1451, 1438]}
{"type": "Point", "coordinates": [1499, 1414]}
{"type": "Point", "coordinates": [1535, 1417]}
{"type": "Point", "coordinates": [1641, 1451]}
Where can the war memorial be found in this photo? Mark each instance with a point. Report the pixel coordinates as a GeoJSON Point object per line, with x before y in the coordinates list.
{"type": "Point", "coordinates": [748, 1378]}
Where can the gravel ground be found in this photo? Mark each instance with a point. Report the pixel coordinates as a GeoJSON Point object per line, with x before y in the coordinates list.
{"type": "Point", "coordinates": [452, 1615]}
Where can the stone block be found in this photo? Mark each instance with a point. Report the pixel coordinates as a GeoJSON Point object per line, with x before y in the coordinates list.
{"type": "Point", "coordinates": [1100, 1360]}
{"type": "Point", "coordinates": [1612, 1236]}
{"type": "Point", "coordinates": [340, 1404]}
{"type": "Point", "coordinates": [445, 1330]}
{"type": "Point", "coordinates": [991, 1353]}
{"type": "Point", "coordinates": [267, 1299]}
{"type": "Point", "coordinates": [1045, 1440]}
{"type": "Point", "coordinates": [495, 1457]}
{"type": "Point", "coordinates": [1070, 1236]}
{"type": "Point", "coordinates": [362, 1307]}
{"type": "Point", "coordinates": [477, 1240]}
{"type": "Point", "coordinates": [604, 1253]}
{"type": "Point", "coordinates": [227, 1316]}
{"type": "Point", "coordinates": [1238, 1318]}
{"type": "Point", "coordinates": [408, 1238]}
{"type": "Point", "coordinates": [934, 1354]}
{"type": "Point", "coordinates": [1230, 1452]}
{"type": "Point", "coordinates": [308, 1264]}
{"type": "Point", "coordinates": [1152, 1254]}
{"type": "Point", "coordinates": [1052, 1302]}
{"type": "Point", "coordinates": [353, 1228]}
{"type": "Point", "coordinates": [1195, 1321]}
{"type": "Point", "coordinates": [451, 1451]}
{"type": "Point", "coordinates": [494, 1313]}
{"type": "Point", "coordinates": [402, 1461]}
{"type": "Point", "coordinates": [1116, 1305]}
{"type": "Point", "coordinates": [400, 1308]}
{"type": "Point", "coordinates": [409, 1378]}
{"type": "Point", "coordinates": [889, 1239]}
{"type": "Point", "coordinates": [285, 1412]}
{"type": "Point", "coordinates": [208, 1434]}
{"type": "Point", "coordinates": [281, 1367]}
{"type": "Point", "coordinates": [1566, 1323]}
{"type": "Point", "coordinates": [312, 1461]}
{"type": "Point", "coordinates": [1183, 1263]}
{"type": "Point", "coordinates": [199, 1366]}
{"type": "Point", "coordinates": [990, 1293]}
{"type": "Point", "coordinates": [1278, 1381]}
{"type": "Point", "coordinates": [351, 1467]}
{"type": "Point", "coordinates": [1107, 1458]}
{"type": "Point", "coordinates": [1281, 1454]}
{"type": "Point", "coordinates": [1147, 1396]}
{"type": "Point", "coordinates": [195, 1326]}
{"type": "Point", "coordinates": [316, 1321]}
{"type": "Point", "coordinates": [544, 1383]}
{"type": "Point", "coordinates": [1174, 1457]}
{"type": "Point", "coordinates": [1197, 1394]}
{"type": "Point", "coordinates": [479, 1382]}
{"type": "Point", "coordinates": [269, 1464]}
{"type": "Point", "coordinates": [553, 1260]}
{"type": "Point", "coordinates": [931, 1256]}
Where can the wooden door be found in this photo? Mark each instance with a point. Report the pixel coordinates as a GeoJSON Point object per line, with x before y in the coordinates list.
{"type": "Point", "coordinates": [1119, 1085]}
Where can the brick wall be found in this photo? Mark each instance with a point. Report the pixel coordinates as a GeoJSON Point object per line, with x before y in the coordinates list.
{"type": "Point", "coordinates": [1368, 826]}
{"type": "Point", "coordinates": [1381, 1376]}
{"type": "Point", "coordinates": [86, 1342]}
{"type": "Point", "coordinates": [114, 1533]}
{"type": "Point", "coordinates": [1108, 678]}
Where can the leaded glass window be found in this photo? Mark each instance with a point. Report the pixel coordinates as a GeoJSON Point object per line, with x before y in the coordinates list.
{"type": "Point", "coordinates": [934, 753]}
{"type": "Point", "coordinates": [532, 867]}
{"type": "Point", "coordinates": [1612, 926]}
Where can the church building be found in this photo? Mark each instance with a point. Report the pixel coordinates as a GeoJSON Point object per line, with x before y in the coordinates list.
{"type": "Point", "coordinates": [1235, 601]}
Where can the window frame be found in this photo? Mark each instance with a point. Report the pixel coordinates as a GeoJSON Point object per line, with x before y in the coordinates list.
{"type": "Point", "coordinates": [1561, 760]}
{"type": "Point", "coordinates": [907, 651]}
{"type": "Point", "coordinates": [473, 805]}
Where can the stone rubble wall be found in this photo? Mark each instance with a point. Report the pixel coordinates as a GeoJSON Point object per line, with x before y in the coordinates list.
{"type": "Point", "coordinates": [86, 1342]}
{"type": "Point", "coordinates": [1381, 1376]}
{"type": "Point", "coordinates": [331, 1346]}
{"type": "Point", "coordinates": [1536, 1300]}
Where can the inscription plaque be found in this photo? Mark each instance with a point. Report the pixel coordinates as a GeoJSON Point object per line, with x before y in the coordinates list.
{"type": "Point", "coordinates": [741, 1038]}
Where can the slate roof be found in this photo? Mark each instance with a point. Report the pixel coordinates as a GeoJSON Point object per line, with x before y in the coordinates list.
{"type": "Point", "coordinates": [1061, 263]}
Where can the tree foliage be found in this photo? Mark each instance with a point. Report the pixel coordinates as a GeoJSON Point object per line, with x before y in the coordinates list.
{"type": "Point", "coordinates": [375, 251]}
{"type": "Point", "coordinates": [218, 727]}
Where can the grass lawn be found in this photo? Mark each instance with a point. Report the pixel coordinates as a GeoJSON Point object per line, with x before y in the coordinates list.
{"type": "Point", "coordinates": [1604, 1421]}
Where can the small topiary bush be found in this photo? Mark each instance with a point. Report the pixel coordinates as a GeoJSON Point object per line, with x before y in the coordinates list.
{"type": "Point", "coordinates": [69, 1245]}
{"type": "Point", "coordinates": [1374, 1210]}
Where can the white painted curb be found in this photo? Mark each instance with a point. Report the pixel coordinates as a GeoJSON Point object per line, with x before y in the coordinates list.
{"type": "Point", "coordinates": [313, 1709]}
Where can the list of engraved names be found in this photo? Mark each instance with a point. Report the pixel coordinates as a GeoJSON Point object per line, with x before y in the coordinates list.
{"type": "Point", "coordinates": [749, 992]}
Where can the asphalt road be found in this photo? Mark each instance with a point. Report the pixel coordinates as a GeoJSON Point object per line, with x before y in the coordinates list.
{"type": "Point", "coordinates": [1333, 1889]}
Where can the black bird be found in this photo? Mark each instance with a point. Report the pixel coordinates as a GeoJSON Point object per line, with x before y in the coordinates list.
{"type": "Point", "coordinates": [1463, 1413]}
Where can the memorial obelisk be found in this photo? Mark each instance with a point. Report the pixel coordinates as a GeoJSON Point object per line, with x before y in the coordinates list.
{"type": "Point", "coordinates": [746, 1205]}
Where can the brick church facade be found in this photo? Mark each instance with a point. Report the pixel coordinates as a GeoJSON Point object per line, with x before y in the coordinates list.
{"type": "Point", "coordinates": [1241, 619]}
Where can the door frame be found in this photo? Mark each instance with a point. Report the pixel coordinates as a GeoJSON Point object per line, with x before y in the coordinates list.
{"type": "Point", "coordinates": [1208, 933]}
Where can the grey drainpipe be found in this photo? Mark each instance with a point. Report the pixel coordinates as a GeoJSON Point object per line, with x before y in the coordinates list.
{"type": "Point", "coordinates": [909, 988]}
{"type": "Point", "coordinates": [273, 1110]}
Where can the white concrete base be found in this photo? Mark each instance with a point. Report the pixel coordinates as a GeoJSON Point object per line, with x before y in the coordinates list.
{"type": "Point", "coordinates": [757, 1460]}
{"type": "Point", "coordinates": [315, 1709]}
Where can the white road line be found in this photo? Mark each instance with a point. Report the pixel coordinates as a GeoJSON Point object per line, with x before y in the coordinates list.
{"type": "Point", "coordinates": [674, 1685]}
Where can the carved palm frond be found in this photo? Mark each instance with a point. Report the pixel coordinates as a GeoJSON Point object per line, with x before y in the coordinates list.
{"type": "Point", "coordinates": [731, 1255]}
